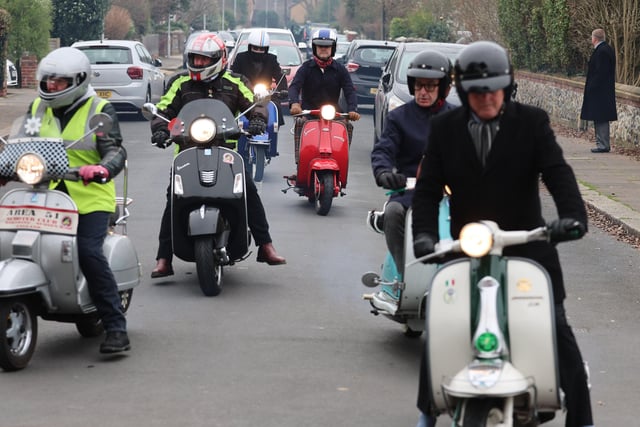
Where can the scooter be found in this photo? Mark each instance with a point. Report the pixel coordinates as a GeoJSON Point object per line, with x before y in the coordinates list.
{"type": "Point", "coordinates": [490, 321]}
{"type": "Point", "coordinates": [208, 191]}
{"type": "Point", "coordinates": [258, 150]}
{"type": "Point", "coordinates": [402, 293]}
{"type": "Point", "coordinates": [39, 268]}
{"type": "Point", "coordinates": [323, 165]}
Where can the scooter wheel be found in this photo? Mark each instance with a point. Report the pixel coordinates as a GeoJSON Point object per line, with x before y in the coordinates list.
{"type": "Point", "coordinates": [18, 334]}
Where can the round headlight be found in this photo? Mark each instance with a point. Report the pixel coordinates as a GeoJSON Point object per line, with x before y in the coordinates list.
{"type": "Point", "coordinates": [30, 168]}
{"type": "Point", "coordinates": [476, 240]}
{"type": "Point", "coordinates": [202, 130]}
{"type": "Point", "coordinates": [260, 90]}
{"type": "Point", "coordinates": [328, 112]}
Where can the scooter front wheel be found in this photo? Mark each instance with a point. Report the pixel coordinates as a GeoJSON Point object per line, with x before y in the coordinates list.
{"type": "Point", "coordinates": [209, 272]}
{"type": "Point", "coordinates": [483, 413]}
{"type": "Point", "coordinates": [18, 334]}
{"type": "Point", "coordinates": [260, 162]}
{"type": "Point", "coordinates": [323, 192]}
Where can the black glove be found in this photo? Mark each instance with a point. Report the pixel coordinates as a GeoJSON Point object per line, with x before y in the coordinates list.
{"type": "Point", "coordinates": [392, 181]}
{"type": "Point", "coordinates": [423, 244]}
{"type": "Point", "coordinates": [283, 95]}
{"type": "Point", "coordinates": [160, 138]}
{"type": "Point", "coordinates": [257, 126]}
{"type": "Point", "coordinates": [565, 229]}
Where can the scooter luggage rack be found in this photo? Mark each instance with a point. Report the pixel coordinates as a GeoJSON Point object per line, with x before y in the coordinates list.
{"type": "Point", "coordinates": [123, 202]}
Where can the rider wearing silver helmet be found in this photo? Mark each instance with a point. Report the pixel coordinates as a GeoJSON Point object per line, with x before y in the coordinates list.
{"type": "Point", "coordinates": [65, 104]}
{"type": "Point", "coordinates": [492, 153]}
{"type": "Point", "coordinates": [397, 154]}
{"type": "Point", "coordinates": [260, 66]}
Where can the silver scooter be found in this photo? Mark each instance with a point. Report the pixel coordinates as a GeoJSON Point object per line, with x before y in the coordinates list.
{"type": "Point", "coordinates": [39, 268]}
{"type": "Point", "coordinates": [490, 323]}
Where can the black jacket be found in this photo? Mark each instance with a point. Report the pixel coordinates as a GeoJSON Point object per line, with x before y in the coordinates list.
{"type": "Point", "coordinates": [599, 102]}
{"type": "Point", "coordinates": [312, 87]}
{"type": "Point", "coordinates": [507, 189]}
{"type": "Point", "coordinates": [259, 68]}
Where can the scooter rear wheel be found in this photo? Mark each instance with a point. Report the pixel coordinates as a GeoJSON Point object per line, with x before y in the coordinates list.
{"type": "Point", "coordinates": [18, 334]}
{"type": "Point", "coordinates": [209, 272]}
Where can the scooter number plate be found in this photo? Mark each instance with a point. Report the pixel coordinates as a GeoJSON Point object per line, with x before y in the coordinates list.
{"type": "Point", "coordinates": [27, 217]}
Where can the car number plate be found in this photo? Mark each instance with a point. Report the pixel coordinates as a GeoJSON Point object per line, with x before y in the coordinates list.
{"type": "Point", "coordinates": [104, 93]}
{"type": "Point", "coordinates": [373, 90]}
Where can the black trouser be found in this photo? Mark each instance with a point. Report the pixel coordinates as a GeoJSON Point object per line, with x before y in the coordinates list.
{"type": "Point", "coordinates": [573, 377]}
{"type": "Point", "coordinates": [256, 216]}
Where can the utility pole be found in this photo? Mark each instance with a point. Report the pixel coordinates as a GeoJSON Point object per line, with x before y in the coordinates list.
{"type": "Point", "coordinates": [169, 36]}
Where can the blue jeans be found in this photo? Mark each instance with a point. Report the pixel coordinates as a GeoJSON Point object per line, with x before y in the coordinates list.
{"type": "Point", "coordinates": [92, 230]}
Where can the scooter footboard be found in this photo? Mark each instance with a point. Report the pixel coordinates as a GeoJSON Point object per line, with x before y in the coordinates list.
{"type": "Point", "coordinates": [532, 330]}
{"type": "Point", "coordinates": [448, 326]}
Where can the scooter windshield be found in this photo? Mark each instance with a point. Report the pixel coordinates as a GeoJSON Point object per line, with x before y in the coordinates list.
{"type": "Point", "coordinates": [217, 111]}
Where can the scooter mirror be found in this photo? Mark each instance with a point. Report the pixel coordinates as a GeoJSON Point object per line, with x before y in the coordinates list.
{"type": "Point", "coordinates": [149, 110]}
{"type": "Point", "coordinates": [286, 71]}
{"type": "Point", "coordinates": [101, 123]}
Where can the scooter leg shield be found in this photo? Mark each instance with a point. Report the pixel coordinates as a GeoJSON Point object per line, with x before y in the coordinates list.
{"type": "Point", "coordinates": [532, 337]}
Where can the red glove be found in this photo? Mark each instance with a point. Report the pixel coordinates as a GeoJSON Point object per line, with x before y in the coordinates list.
{"type": "Point", "coordinates": [89, 173]}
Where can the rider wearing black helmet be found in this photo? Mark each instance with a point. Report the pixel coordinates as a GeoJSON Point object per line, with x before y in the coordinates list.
{"type": "Point", "coordinates": [396, 155]}
{"type": "Point", "coordinates": [492, 153]}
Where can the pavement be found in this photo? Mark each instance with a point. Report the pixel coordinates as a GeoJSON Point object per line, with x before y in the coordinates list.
{"type": "Point", "coordinates": [609, 182]}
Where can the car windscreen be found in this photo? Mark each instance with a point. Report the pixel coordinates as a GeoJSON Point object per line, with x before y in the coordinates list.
{"type": "Point", "coordinates": [107, 55]}
{"type": "Point", "coordinates": [373, 55]}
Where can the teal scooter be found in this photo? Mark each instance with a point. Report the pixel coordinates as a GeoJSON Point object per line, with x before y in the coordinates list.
{"type": "Point", "coordinates": [402, 294]}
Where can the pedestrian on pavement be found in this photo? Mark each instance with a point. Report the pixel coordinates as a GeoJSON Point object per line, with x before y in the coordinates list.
{"type": "Point", "coordinates": [209, 78]}
{"type": "Point", "coordinates": [65, 104]}
{"type": "Point", "coordinates": [397, 154]}
{"type": "Point", "coordinates": [492, 153]}
{"type": "Point", "coordinates": [599, 102]}
{"type": "Point", "coordinates": [318, 82]}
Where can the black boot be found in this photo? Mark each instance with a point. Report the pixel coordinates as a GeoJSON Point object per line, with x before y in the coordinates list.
{"type": "Point", "coordinates": [115, 342]}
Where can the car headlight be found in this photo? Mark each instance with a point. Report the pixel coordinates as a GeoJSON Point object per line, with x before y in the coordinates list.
{"type": "Point", "coordinates": [476, 239]}
{"type": "Point", "coordinates": [202, 130]}
{"type": "Point", "coordinates": [394, 102]}
{"type": "Point", "coordinates": [30, 168]}
{"type": "Point", "coordinates": [328, 112]}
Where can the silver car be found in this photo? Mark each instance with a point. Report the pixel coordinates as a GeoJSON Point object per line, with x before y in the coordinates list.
{"type": "Point", "coordinates": [124, 73]}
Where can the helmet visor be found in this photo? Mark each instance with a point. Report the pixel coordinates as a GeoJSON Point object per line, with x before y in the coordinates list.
{"type": "Point", "coordinates": [484, 85]}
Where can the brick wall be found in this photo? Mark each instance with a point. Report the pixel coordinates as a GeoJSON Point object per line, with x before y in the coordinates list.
{"type": "Point", "coordinates": [28, 68]}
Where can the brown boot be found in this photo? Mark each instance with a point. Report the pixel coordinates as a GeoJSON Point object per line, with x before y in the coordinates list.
{"type": "Point", "coordinates": [163, 269]}
{"type": "Point", "coordinates": [267, 253]}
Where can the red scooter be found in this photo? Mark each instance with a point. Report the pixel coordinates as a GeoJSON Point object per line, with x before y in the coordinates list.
{"type": "Point", "coordinates": [324, 158]}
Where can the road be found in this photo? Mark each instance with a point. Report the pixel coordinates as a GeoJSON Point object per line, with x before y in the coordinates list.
{"type": "Point", "coordinates": [291, 345]}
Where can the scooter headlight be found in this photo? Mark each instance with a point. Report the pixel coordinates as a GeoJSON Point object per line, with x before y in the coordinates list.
{"type": "Point", "coordinates": [328, 112]}
{"type": "Point", "coordinates": [30, 168]}
{"type": "Point", "coordinates": [476, 239]}
{"type": "Point", "coordinates": [202, 130]}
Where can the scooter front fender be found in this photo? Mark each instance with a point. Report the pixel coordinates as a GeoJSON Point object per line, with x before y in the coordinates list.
{"type": "Point", "coordinates": [20, 276]}
{"type": "Point", "coordinates": [323, 164]}
{"type": "Point", "coordinates": [204, 221]}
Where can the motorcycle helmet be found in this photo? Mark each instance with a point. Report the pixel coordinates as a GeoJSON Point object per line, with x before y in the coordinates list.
{"type": "Point", "coordinates": [210, 46]}
{"type": "Point", "coordinates": [483, 66]}
{"type": "Point", "coordinates": [430, 64]}
{"type": "Point", "coordinates": [259, 39]}
{"type": "Point", "coordinates": [324, 37]}
{"type": "Point", "coordinates": [70, 64]}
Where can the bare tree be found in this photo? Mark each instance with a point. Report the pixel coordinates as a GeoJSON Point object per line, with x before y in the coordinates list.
{"type": "Point", "coordinates": [479, 17]}
{"type": "Point", "coordinates": [117, 23]}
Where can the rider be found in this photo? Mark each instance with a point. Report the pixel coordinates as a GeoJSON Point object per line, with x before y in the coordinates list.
{"type": "Point", "coordinates": [260, 66]}
{"type": "Point", "coordinates": [209, 78]}
{"type": "Point", "coordinates": [396, 155]}
{"type": "Point", "coordinates": [65, 104]}
{"type": "Point", "coordinates": [319, 81]}
{"type": "Point", "coordinates": [492, 153]}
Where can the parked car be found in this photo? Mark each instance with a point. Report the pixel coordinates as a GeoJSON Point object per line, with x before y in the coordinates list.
{"type": "Point", "coordinates": [392, 89]}
{"type": "Point", "coordinates": [11, 74]}
{"type": "Point", "coordinates": [124, 72]}
{"type": "Point", "coordinates": [364, 60]}
{"type": "Point", "coordinates": [281, 43]}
